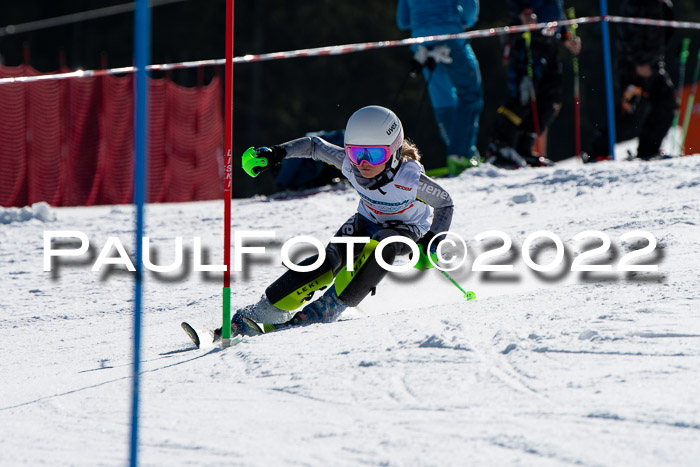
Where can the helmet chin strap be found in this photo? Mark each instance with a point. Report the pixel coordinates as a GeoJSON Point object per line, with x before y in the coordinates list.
{"type": "Point", "coordinates": [396, 159]}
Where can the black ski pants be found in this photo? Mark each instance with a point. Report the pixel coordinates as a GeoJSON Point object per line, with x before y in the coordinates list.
{"type": "Point", "coordinates": [645, 109]}
{"type": "Point", "coordinates": [367, 277]}
{"type": "Point", "coordinates": [514, 126]}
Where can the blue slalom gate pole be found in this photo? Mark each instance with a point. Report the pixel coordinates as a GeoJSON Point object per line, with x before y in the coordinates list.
{"type": "Point", "coordinates": [609, 97]}
{"type": "Point", "coordinates": [142, 33]}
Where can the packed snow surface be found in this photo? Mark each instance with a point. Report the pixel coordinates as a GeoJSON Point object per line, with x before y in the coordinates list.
{"type": "Point", "coordinates": [544, 368]}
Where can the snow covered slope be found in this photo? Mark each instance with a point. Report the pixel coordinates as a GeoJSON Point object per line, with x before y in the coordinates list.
{"type": "Point", "coordinates": [542, 369]}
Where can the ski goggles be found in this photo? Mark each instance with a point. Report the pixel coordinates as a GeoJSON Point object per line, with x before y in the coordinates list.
{"type": "Point", "coordinates": [373, 155]}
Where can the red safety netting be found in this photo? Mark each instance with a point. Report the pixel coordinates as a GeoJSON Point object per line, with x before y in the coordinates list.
{"type": "Point", "coordinates": [115, 156]}
{"type": "Point", "coordinates": [158, 173]}
{"type": "Point", "coordinates": [44, 142]}
{"type": "Point", "coordinates": [692, 142]}
{"type": "Point", "coordinates": [210, 151]}
{"type": "Point", "coordinates": [82, 131]}
{"type": "Point", "coordinates": [13, 140]}
{"type": "Point", "coordinates": [70, 142]}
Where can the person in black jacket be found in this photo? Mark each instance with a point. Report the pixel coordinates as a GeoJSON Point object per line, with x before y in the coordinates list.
{"type": "Point", "coordinates": [645, 93]}
{"type": "Point", "coordinates": [535, 68]}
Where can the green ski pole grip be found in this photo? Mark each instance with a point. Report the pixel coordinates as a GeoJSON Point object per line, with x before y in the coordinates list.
{"type": "Point", "coordinates": [249, 161]}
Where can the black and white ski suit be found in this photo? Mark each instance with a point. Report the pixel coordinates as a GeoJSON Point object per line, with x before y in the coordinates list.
{"type": "Point", "coordinates": [400, 207]}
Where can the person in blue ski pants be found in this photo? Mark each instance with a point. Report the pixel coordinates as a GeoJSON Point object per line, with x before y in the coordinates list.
{"type": "Point", "coordinates": [454, 83]}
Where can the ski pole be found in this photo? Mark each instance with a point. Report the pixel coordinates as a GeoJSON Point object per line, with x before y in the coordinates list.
{"type": "Point", "coordinates": [679, 97]}
{"type": "Point", "coordinates": [527, 35]}
{"type": "Point", "coordinates": [577, 90]}
{"type": "Point", "coordinates": [691, 103]}
{"type": "Point", "coordinates": [468, 295]}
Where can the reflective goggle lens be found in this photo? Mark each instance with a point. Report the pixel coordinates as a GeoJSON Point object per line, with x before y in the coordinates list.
{"type": "Point", "coordinates": [372, 155]}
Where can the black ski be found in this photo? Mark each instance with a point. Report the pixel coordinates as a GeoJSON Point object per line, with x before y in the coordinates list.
{"type": "Point", "coordinates": [191, 333]}
{"type": "Point", "coordinates": [216, 335]}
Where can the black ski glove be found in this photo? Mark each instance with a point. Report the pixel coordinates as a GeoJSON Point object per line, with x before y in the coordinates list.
{"type": "Point", "coordinates": [257, 160]}
{"type": "Point", "coordinates": [422, 57]}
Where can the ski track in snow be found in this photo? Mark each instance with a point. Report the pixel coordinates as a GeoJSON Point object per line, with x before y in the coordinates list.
{"type": "Point", "coordinates": [553, 369]}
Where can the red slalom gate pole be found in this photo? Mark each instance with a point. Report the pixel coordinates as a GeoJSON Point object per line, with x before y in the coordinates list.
{"type": "Point", "coordinates": [228, 175]}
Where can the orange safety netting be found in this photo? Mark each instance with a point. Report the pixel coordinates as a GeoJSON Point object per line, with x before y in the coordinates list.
{"type": "Point", "coordinates": [692, 141]}
{"type": "Point", "coordinates": [70, 142]}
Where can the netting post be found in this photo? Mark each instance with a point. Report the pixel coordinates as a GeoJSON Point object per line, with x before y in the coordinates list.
{"type": "Point", "coordinates": [607, 62]}
{"type": "Point", "coordinates": [142, 56]}
{"type": "Point", "coordinates": [228, 175]}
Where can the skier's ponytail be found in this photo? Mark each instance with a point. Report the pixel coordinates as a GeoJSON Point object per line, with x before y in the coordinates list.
{"type": "Point", "coordinates": [410, 150]}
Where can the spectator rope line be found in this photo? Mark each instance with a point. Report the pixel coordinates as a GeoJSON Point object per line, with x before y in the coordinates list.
{"type": "Point", "coordinates": [359, 47]}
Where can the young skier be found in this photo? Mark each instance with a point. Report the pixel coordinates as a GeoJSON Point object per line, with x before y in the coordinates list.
{"type": "Point", "coordinates": [395, 199]}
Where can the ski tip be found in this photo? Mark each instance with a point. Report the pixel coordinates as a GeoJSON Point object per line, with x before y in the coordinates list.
{"type": "Point", "coordinates": [191, 333]}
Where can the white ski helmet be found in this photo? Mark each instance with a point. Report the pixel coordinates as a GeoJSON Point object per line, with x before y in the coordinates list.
{"type": "Point", "coordinates": [377, 126]}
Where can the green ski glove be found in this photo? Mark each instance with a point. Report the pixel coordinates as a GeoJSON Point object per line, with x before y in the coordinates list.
{"type": "Point", "coordinates": [425, 256]}
{"type": "Point", "coordinates": [257, 160]}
